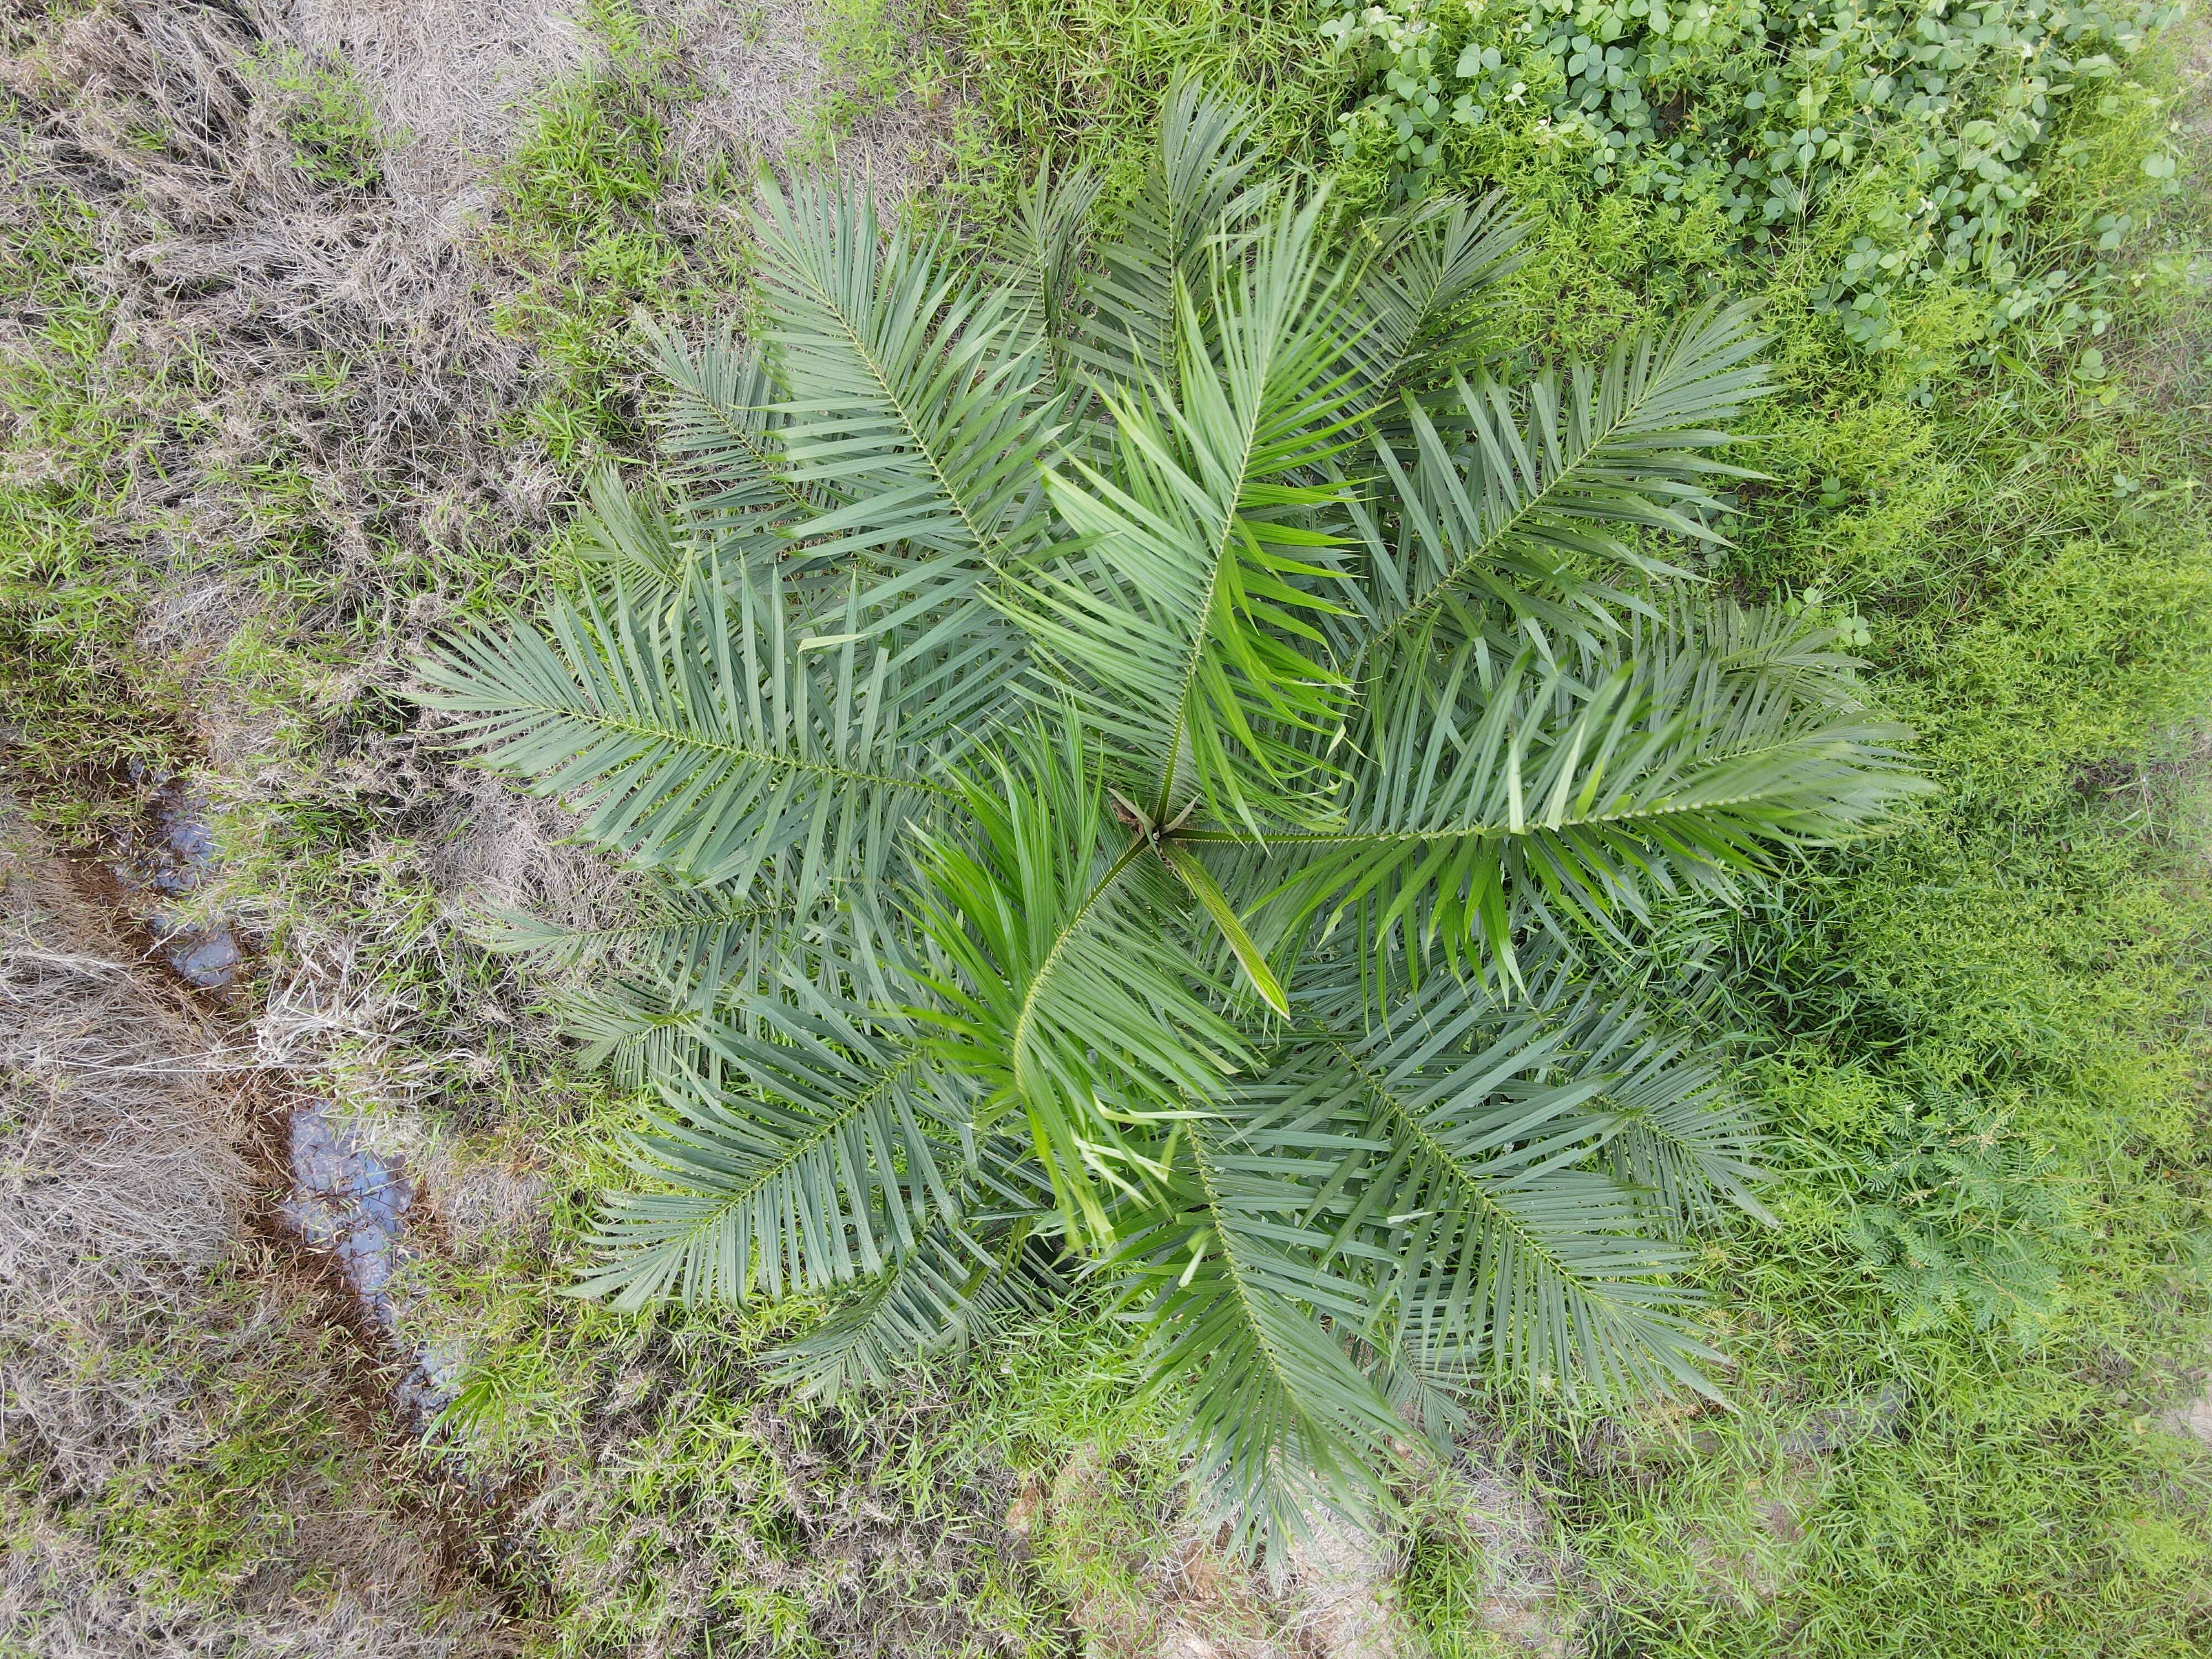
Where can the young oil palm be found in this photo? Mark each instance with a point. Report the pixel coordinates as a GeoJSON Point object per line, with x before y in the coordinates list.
{"type": "Point", "coordinates": [1147, 763]}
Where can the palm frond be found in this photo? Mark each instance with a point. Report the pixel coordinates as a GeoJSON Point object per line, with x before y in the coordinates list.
{"type": "Point", "coordinates": [1427, 264]}
{"type": "Point", "coordinates": [1251, 959]}
{"type": "Point", "coordinates": [1185, 610]}
{"type": "Point", "coordinates": [1197, 202]}
{"type": "Point", "coordinates": [805, 1150]}
{"type": "Point", "coordinates": [1523, 500]}
{"type": "Point", "coordinates": [724, 431]}
{"type": "Point", "coordinates": [916, 396]}
{"type": "Point", "coordinates": [1062, 995]}
{"type": "Point", "coordinates": [1484, 792]}
{"type": "Point", "coordinates": [631, 538]}
{"type": "Point", "coordinates": [1244, 1308]}
{"type": "Point", "coordinates": [1671, 1127]}
{"type": "Point", "coordinates": [639, 1027]}
{"type": "Point", "coordinates": [1043, 251]}
{"type": "Point", "coordinates": [951, 1290]}
{"type": "Point", "coordinates": [1502, 1253]}
{"type": "Point", "coordinates": [678, 934]}
{"type": "Point", "coordinates": [712, 739]}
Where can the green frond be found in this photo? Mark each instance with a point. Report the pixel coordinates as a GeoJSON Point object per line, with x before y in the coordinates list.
{"type": "Point", "coordinates": [1245, 1311]}
{"type": "Point", "coordinates": [1672, 1129]}
{"type": "Point", "coordinates": [1185, 610]}
{"type": "Point", "coordinates": [639, 1027]}
{"type": "Point", "coordinates": [1197, 203]}
{"type": "Point", "coordinates": [1522, 500]}
{"type": "Point", "coordinates": [1427, 265]}
{"type": "Point", "coordinates": [1501, 1253]}
{"type": "Point", "coordinates": [1485, 791]}
{"type": "Point", "coordinates": [951, 1290]}
{"type": "Point", "coordinates": [724, 432]}
{"type": "Point", "coordinates": [917, 397]}
{"type": "Point", "coordinates": [714, 737]}
{"type": "Point", "coordinates": [631, 538]}
{"type": "Point", "coordinates": [803, 1150]}
{"type": "Point", "coordinates": [677, 934]}
{"type": "Point", "coordinates": [1042, 251]}
{"type": "Point", "coordinates": [1251, 960]}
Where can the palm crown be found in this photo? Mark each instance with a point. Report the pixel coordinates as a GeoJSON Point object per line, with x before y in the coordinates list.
{"type": "Point", "coordinates": [1132, 749]}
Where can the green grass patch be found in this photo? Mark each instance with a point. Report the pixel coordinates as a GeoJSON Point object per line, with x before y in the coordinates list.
{"type": "Point", "coordinates": [587, 215]}
{"type": "Point", "coordinates": [84, 422]}
{"type": "Point", "coordinates": [334, 134]}
{"type": "Point", "coordinates": [1085, 77]}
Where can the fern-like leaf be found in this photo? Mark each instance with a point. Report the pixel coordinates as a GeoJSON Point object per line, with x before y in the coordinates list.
{"type": "Point", "coordinates": [804, 1150]}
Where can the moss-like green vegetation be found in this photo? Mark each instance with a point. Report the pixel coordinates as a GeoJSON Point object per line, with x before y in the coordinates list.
{"type": "Point", "coordinates": [1083, 77]}
{"type": "Point", "coordinates": [1978, 1042]}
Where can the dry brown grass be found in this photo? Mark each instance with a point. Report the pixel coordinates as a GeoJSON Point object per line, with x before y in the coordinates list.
{"type": "Point", "coordinates": [448, 80]}
{"type": "Point", "coordinates": [265, 319]}
{"type": "Point", "coordinates": [124, 1174]}
{"type": "Point", "coordinates": [143, 1331]}
{"type": "Point", "coordinates": [759, 67]}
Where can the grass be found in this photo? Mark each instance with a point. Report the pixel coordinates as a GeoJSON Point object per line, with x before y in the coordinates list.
{"type": "Point", "coordinates": [332, 128]}
{"type": "Point", "coordinates": [1069, 77]}
{"type": "Point", "coordinates": [81, 434]}
{"type": "Point", "coordinates": [1978, 1040]}
{"type": "Point", "coordinates": [581, 217]}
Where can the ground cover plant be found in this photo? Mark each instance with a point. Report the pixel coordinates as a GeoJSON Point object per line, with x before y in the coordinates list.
{"type": "Point", "coordinates": [279, 403]}
{"type": "Point", "coordinates": [1917, 133]}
